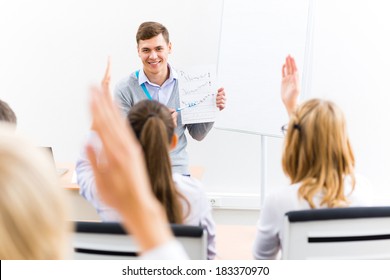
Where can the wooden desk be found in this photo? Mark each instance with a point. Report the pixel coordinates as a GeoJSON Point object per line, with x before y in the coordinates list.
{"type": "Point", "coordinates": [66, 179]}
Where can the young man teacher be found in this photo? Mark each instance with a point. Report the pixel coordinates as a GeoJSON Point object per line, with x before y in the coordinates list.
{"type": "Point", "coordinates": [158, 81]}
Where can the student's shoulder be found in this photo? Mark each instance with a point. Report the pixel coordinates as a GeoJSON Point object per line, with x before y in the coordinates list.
{"type": "Point", "coordinates": [362, 180]}
{"type": "Point", "coordinates": [283, 190]}
{"type": "Point", "coordinates": [361, 194]}
{"type": "Point", "coordinates": [362, 183]}
{"type": "Point", "coordinates": [188, 185]}
{"type": "Point", "coordinates": [282, 195]}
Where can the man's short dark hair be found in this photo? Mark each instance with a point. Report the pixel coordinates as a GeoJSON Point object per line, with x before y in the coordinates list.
{"type": "Point", "coordinates": [150, 29]}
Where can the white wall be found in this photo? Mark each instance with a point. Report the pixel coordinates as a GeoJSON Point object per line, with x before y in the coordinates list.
{"type": "Point", "coordinates": [352, 66]}
{"type": "Point", "coordinates": [51, 51]}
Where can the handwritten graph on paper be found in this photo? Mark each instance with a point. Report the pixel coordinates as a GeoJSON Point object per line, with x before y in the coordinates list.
{"type": "Point", "coordinates": [197, 90]}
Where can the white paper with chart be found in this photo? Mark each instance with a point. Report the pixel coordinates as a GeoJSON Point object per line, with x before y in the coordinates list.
{"type": "Point", "coordinates": [197, 90]}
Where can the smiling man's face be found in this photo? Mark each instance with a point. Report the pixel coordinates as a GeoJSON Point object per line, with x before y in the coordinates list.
{"type": "Point", "coordinates": [154, 54]}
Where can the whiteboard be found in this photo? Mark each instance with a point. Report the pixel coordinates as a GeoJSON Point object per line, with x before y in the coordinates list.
{"type": "Point", "coordinates": [256, 36]}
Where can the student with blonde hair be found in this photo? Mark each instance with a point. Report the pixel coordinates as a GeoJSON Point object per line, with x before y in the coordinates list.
{"type": "Point", "coordinates": [317, 158]}
{"type": "Point", "coordinates": [182, 197]}
{"type": "Point", "coordinates": [33, 209]}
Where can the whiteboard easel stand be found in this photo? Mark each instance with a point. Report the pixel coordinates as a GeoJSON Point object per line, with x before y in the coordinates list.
{"type": "Point", "coordinates": [263, 167]}
{"type": "Point", "coordinates": [263, 157]}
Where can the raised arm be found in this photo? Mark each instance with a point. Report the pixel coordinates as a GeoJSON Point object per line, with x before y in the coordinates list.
{"type": "Point", "coordinates": [106, 81]}
{"type": "Point", "coordinates": [290, 88]}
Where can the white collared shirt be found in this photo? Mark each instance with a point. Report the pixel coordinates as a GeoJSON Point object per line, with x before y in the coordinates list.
{"type": "Point", "coordinates": [160, 93]}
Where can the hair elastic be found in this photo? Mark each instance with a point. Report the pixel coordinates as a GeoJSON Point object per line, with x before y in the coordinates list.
{"type": "Point", "coordinates": [297, 126]}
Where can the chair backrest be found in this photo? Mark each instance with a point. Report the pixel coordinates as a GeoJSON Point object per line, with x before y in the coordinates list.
{"type": "Point", "coordinates": [337, 233]}
{"type": "Point", "coordinates": [97, 240]}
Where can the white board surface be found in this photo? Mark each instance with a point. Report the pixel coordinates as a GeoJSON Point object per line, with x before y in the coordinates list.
{"type": "Point", "coordinates": [256, 37]}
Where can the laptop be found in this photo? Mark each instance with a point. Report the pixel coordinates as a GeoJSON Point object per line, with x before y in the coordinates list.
{"type": "Point", "coordinates": [60, 171]}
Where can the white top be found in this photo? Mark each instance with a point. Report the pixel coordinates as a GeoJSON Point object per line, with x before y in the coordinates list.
{"type": "Point", "coordinates": [282, 200]}
{"type": "Point", "coordinates": [171, 250]}
{"type": "Point", "coordinates": [199, 214]}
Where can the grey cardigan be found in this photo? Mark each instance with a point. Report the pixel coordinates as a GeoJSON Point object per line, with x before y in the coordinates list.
{"type": "Point", "coordinates": [128, 92]}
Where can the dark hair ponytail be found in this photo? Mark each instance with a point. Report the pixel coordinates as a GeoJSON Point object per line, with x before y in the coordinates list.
{"type": "Point", "coordinates": [153, 125]}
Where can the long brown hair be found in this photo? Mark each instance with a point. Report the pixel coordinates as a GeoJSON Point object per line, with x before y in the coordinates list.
{"type": "Point", "coordinates": [153, 125]}
{"type": "Point", "coordinates": [317, 152]}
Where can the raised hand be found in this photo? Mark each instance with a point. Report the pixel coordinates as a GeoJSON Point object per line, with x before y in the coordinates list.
{"type": "Point", "coordinates": [107, 77]}
{"type": "Point", "coordinates": [174, 116]}
{"type": "Point", "coordinates": [221, 99]}
{"type": "Point", "coordinates": [290, 88]}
